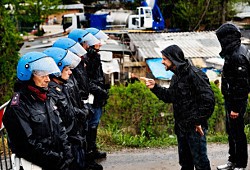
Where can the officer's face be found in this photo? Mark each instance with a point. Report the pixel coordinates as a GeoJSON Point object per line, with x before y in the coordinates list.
{"type": "Point", "coordinates": [97, 46]}
{"type": "Point", "coordinates": [166, 62]}
{"type": "Point", "coordinates": [66, 72]}
{"type": "Point", "coordinates": [41, 81]}
{"type": "Point", "coordinates": [85, 45]}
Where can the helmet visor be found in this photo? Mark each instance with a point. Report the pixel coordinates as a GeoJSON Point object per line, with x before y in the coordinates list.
{"type": "Point", "coordinates": [90, 39]}
{"type": "Point", "coordinates": [44, 66]}
{"type": "Point", "coordinates": [101, 35]}
{"type": "Point", "coordinates": [78, 49]}
{"type": "Point", "coordinates": [71, 60]}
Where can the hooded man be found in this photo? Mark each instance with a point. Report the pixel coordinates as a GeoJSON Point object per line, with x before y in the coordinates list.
{"type": "Point", "coordinates": [193, 103]}
{"type": "Point", "coordinates": [235, 88]}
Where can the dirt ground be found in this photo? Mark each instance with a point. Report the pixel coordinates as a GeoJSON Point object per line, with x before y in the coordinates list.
{"type": "Point", "coordinates": [160, 159]}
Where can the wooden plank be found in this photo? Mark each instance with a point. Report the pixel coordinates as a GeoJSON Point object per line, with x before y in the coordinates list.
{"type": "Point", "coordinates": [134, 64]}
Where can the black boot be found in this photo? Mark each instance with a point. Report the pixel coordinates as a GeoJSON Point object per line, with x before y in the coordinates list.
{"type": "Point", "coordinates": [92, 144]}
{"type": "Point", "coordinates": [94, 166]}
{"type": "Point", "coordinates": [91, 164]}
{"type": "Point", "coordinates": [99, 154]}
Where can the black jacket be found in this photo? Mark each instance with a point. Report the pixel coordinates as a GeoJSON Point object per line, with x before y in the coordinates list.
{"type": "Point", "coordinates": [97, 78]}
{"type": "Point", "coordinates": [236, 69]}
{"type": "Point", "coordinates": [35, 131]}
{"type": "Point", "coordinates": [74, 92]}
{"type": "Point", "coordinates": [74, 119]}
{"type": "Point", "coordinates": [189, 91]}
{"type": "Point", "coordinates": [81, 76]}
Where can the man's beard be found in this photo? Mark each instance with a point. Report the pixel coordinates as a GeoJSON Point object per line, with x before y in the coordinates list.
{"type": "Point", "coordinates": [167, 68]}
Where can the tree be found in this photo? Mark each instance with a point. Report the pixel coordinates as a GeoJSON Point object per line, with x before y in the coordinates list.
{"type": "Point", "coordinates": [70, 2]}
{"type": "Point", "coordinates": [87, 2]}
{"type": "Point", "coordinates": [192, 15]}
{"type": "Point", "coordinates": [32, 13]}
{"type": "Point", "coordinates": [9, 43]}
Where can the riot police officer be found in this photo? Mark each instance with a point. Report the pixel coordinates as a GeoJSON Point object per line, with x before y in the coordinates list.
{"type": "Point", "coordinates": [31, 119]}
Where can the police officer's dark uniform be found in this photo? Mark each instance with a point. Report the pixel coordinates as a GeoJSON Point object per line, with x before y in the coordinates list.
{"type": "Point", "coordinates": [99, 89]}
{"type": "Point", "coordinates": [31, 119]}
{"type": "Point", "coordinates": [64, 91]}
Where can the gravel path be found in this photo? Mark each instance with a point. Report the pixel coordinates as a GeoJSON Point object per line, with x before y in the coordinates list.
{"type": "Point", "coordinates": [160, 159]}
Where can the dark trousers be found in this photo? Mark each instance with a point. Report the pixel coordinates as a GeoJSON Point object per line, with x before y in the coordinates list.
{"type": "Point", "coordinates": [236, 137]}
{"type": "Point", "coordinates": [92, 131]}
{"type": "Point", "coordinates": [79, 161]}
{"type": "Point", "coordinates": [95, 120]}
{"type": "Point", "coordinates": [192, 148]}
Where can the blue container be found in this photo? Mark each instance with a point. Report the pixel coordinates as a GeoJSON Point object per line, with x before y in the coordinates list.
{"type": "Point", "coordinates": [98, 21]}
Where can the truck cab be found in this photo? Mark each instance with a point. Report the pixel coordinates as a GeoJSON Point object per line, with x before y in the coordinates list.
{"type": "Point", "coordinates": [72, 21]}
{"type": "Point", "coordinates": [143, 19]}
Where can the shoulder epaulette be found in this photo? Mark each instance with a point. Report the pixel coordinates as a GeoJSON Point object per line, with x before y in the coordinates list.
{"type": "Point", "coordinates": [15, 99]}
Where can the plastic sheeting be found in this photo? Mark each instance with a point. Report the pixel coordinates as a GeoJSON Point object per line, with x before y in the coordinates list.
{"type": "Point", "coordinates": [158, 69]}
{"type": "Point", "coordinates": [109, 67]}
{"type": "Point", "coordinates": [217, 61]}
{"type": "Point", "coordinates": [106, 55]}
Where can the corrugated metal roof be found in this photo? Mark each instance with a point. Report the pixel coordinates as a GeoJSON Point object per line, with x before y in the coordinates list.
{"type": "Point", "coordinates": [193, 44]}
{"type": "Point", "coordinates": [71, 6]}
{"type": "Point", "coordinates": [115, 48]}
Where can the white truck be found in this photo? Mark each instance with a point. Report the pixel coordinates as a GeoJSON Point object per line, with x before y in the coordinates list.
{"type": "Point", "coordinates": [147, 16]}
{"type": "Point", "coordinates": [72, 21]}
{"type": "Point", "coordinates": [142, 20]}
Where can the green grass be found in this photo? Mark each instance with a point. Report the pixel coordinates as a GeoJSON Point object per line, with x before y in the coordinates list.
{"type": "Point", "coordinates": [217, 138]}
{"type": "Point", "coordinates": [116, 140]}
{"type": "Point", "coordinates": [113, 140]}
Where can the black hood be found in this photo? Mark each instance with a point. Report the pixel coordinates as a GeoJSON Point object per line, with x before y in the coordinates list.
{"type": "Point", "coordinates": [229, 36]}
{"type": "Point", "coordinates": [176, 56]}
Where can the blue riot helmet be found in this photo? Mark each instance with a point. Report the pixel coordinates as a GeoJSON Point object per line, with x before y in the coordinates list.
{"type": "Point", "coordinates": [99, 34]}
{"type": "Point", "coordinates": [82, 36]}
{"type": "Point", "coordinates": [63, 57]}
{"type": "Point", "coordinates": [71, 45]}
{"type": "Point", "coordinates": [36, 62]}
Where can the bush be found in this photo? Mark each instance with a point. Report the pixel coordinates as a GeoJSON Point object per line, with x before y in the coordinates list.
{"type": "Point", "coordinates": [134, 116]}
{"type": "Point", "coordinates": [217, 120]}
{"type": "Point", "coordinates": [247, 115]}
{"type": "Point", "coordinates": [135, 110]}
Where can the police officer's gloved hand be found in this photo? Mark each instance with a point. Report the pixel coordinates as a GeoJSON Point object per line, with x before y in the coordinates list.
{"type": "Point", "coordinates": [57, 158]}
{"type": "Point", "coordinates": [105, 94]}
{"type": "Point", "coordinates": [82, 114]}
{"type": "Point", "coordinates": [67, 160]}
{"type": "Point", "coordinates": [107, 86]}
{"type": "Point", "coordinates": [90, 110]}
{"type": "Point", "coordinates": [66, 163]}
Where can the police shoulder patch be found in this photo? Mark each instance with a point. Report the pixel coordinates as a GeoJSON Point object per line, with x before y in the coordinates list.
{"type": "Point", "coordinates": [15, 99]}
{"type": "Point", "coordinates": [58, 89]}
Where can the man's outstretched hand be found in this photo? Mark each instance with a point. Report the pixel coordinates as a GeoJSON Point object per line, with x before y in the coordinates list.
{"type": "Point", "coordinates": [150, 83]}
